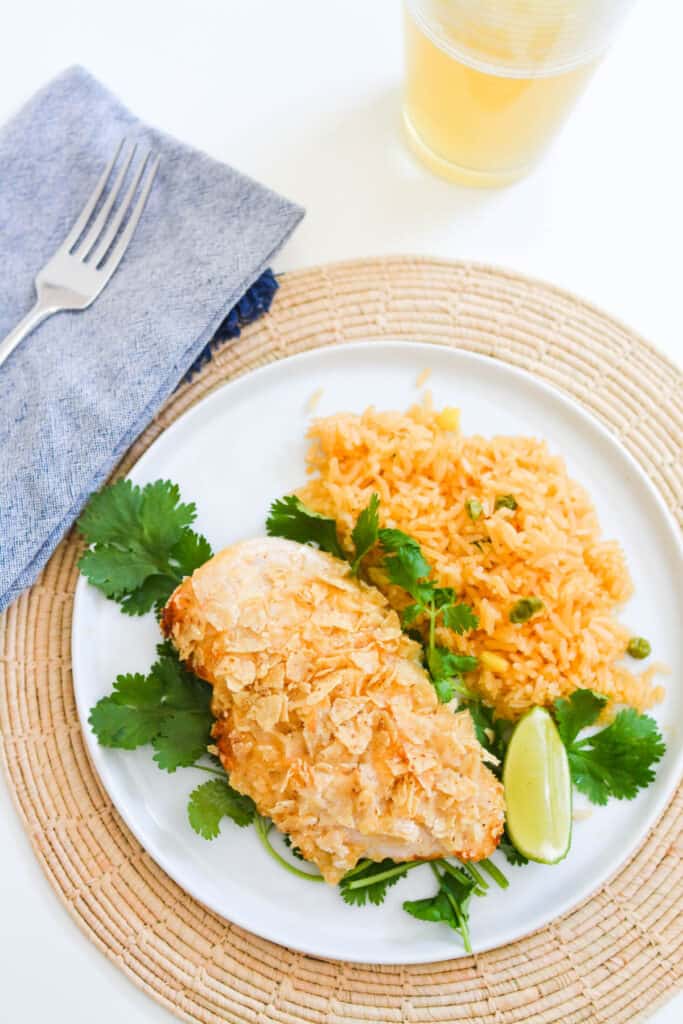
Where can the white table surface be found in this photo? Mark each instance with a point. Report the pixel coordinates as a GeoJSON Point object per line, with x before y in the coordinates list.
{"type": "Point", "coordinates": [304, 96]}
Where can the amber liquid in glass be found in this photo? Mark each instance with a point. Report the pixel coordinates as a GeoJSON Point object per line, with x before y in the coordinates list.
{"type": "Point", "coordinates": [475, 125]}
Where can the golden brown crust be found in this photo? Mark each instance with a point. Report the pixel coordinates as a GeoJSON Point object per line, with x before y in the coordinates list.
{"type": "Point", "coordinates": [325, 716]}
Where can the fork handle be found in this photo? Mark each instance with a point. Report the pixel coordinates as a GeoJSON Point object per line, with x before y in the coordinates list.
{"type": "Point", "coordinates": [36, 316]}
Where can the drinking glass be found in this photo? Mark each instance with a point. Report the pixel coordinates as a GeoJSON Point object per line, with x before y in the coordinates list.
{"type": "Point", "coordinates": [489, 82]}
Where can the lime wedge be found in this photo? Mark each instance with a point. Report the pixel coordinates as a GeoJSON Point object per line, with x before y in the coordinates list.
{"type": "Point", "coordinates": [538, 790]}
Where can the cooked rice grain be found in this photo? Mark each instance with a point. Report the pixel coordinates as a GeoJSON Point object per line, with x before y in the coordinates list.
{"type": "Point", "coordinates": [549, 547]}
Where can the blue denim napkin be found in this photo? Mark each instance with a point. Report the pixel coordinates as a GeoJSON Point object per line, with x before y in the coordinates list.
{"type": "Point", "coordinates": [78, 391]}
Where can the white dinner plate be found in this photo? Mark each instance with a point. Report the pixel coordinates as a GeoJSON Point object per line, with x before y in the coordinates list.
{"type": "Point", "coordinates": [232, 454]}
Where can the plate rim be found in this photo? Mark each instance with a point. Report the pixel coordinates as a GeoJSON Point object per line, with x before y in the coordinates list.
{"type": "Point", "coordinates": [551, 392]}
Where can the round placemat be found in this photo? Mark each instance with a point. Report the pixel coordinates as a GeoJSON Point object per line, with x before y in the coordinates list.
{"type": "Point", "coordinates": [612, 959]}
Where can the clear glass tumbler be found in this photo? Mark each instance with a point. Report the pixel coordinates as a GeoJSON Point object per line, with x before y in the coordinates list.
{"type": "Point", "coordinates": [489, 82]}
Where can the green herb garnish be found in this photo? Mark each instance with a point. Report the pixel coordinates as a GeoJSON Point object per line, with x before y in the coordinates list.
{"type": "Point", "coordinates": [368, 881]}
{"type": "Point", "coordinates": [263, 829]}
{"type": "Point", "coordinates": [450, 904]}
{"type": "Point", "coordinates": [618, 760]}
{"type": "Point", "coordinates": [141, 545]}
{"type": "Point", "coordinates": [523, 609]}
{"type": "Point", "coordinates": [214, 800]}
{"type": "Point", "coordinates": [169, 708]}
{"type": "Point", "coordinates": [291, 519]}
{"type": "Point", "coordinates": [639, 647]}
{"type": "Point", "coordinates": [405, 564]}
{"type": "Point", "coordinates": [493, 733]}
{"type": "Point", "coordinates": [406, 567]}
{"type": "Point", "coordinates": [365, 532]}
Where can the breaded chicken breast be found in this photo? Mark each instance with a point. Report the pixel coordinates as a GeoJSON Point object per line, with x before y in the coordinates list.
{"type": "Point", "coordinates": [324, 714]}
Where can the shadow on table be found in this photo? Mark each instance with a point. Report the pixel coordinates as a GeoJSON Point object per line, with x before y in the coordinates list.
{"type": "Point", "coordinates": [356, 176]}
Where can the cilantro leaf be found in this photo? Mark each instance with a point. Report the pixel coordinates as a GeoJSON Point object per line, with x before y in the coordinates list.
{"type": "Point", "coordinates": [405, 565]}
{"type": "Point", "coordinates": [370, 884]}
{"type": "Point", "coordinates": [290, 518]}
{"type": "Point", "coordinates": [182, 739]}
{"type": "Point", "coordinates": [162, 516]}
{"type": "Point", "coordinates": [618, 760]}
{"type": "Point", "coordinates": [442, 663]}
{"type": "Point", "coordinates": [449, 905]}
{"type": "Point", "coordinates": [190, 551]}
{"type": "Point", "coordinates": [432, 908]}
{"type": "Point", "coordinates": [443, 596]}
{"type": "Point", "coordinates": [154, 592]}
{"type": "Point", "coordinates": [115, 571]}
{"type": "Point", "coordinates": [460, 618]}
{"type": "Point", "coordinates": [410, 613]}
{"type": "Point", "coordinates": [446, 668]}
{"type": "Point", "coordinates": [131, 716]}
{"type": "Point", "coordinates": [140, 543]}
{"type": "Point", "coordinates": [577, 713]}
{"type": "Point", "coordinates": [212, 801]}
{"type": "Point", "coordinates": [169, 708]}
{"type": "Point", "coordinates": [113, 515]}
{"type": "Point", "coordinates": [365, 533]}
{"type": "Point", "coordinates": [392, 540]}
{"type": "Point", "coordinates": [493, 733]}
{"type": "Point", "coordinates": [445, 688]}
{"type": "Point", "coordinates": [482, 719]}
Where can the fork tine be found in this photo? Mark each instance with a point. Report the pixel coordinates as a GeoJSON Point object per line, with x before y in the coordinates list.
{"type": "Point", "coordinates": [119, 249]}
{"type": "Point", "coordinates": [100, 223]}
{"type": "Point", "coordinates": [86, 213]}
{"type": "Point", "coordinates": [125, 206]}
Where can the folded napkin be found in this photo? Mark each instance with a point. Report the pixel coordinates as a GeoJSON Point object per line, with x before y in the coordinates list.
{"type": "Point", "coordinates": [78, 391]}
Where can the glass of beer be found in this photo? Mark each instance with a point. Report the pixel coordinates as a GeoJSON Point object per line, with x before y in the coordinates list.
{"type": "Point", "coordinates": [489, 82]}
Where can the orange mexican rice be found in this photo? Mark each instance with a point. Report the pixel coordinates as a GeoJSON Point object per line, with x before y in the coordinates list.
{"type": "Point", "coordinates": [426, 474]}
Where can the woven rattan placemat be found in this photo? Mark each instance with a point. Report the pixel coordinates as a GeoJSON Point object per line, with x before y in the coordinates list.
{"type": "Point", "coordinates": [611, 960]}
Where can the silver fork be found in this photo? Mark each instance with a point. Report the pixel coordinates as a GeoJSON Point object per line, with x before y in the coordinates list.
{"type": "Point", "coordinates": [87, 258]}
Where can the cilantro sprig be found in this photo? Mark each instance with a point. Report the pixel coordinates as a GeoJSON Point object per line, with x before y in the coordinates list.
{"type": "Point", "coordinates": [288, 517]}
{"type": "Point", "coordinates": [493, 733]}
{"type": "Point", "coordinates": [450, 904]}
{"type": "Point", "coordinates": [365, 532]}
{"type": "Point", "coordinates": [169, 708]}
{"type": "Point", "coordinates": [618, 760]}
{"type": "Point", "coordinates": [406, 567]}
{"type": "Point", "coordinates": [369, 881]}
{"type": "Point", "coordinates": [140, 543]}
